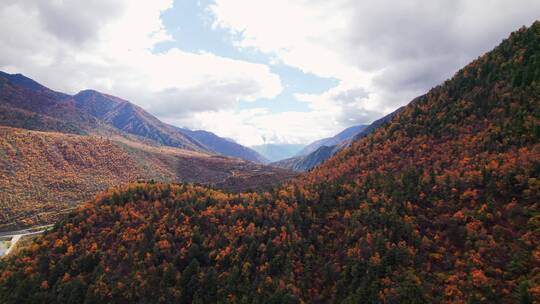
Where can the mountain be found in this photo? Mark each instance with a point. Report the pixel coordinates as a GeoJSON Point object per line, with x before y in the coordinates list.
{"type": "Point", "coordinates": [439, 205]}
{"type": "Point", "coordinates": [24, 103]}
{"type": "Point", "coordinates": [224, 146]}
{"type": "Point", "coordinates": [307, 162]}
{"type": "Point", "coordinates": [325, 148]}
{"type": "Point", "coordinates": [332, 141]}
{"type": "Point", "coordinates": [29, 84]}
{"type": "Point", "coordinates": [94, 141]}
{"type": "Point", "coordinates": [45, 174]}
{"type": "Point", "coordinates": [275, 152]}
{"type": "Point", "coordinates": [132, 119]}
{"type": "Point", "coordinates": [375, 125]}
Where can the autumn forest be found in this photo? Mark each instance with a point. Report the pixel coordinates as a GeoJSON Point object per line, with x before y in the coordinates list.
{"type": "Point", "coordinates": [439, 205]}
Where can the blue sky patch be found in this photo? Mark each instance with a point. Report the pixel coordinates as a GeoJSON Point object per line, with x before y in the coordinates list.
{"type": "Point", "coordinates": [190, 25]}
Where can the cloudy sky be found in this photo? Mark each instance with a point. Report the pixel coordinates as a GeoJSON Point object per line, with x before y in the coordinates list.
{"type": "Point", "coordinates": [280, 71]}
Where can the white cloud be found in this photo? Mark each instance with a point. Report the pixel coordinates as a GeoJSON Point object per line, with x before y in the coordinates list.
{"type": "Point", "coordinates": [300, 33]}
{"type": "Point", "coordinates": [258, 126]}
{"type": "Point", "coordinates": [71, 45]}
{"type": "Point", "coordinates": [328, 114]}
{"type": "Point", "coordinates": [383, 53]}
{"type": "Point", "coordinates": [344, 105]}
{"type": "Point", "coordinates": [391, 50]}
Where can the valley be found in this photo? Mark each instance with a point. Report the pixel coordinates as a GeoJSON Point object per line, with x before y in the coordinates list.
{"type": "Point", "coordinates": [46, 174]}
{"type": "Point", "coordinates": [436, 202]}
{"type": "Point", "coordinates": [58, 150]}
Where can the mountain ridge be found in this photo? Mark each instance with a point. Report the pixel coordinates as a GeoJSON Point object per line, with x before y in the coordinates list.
{"type": "Point", "coordinates": [146, 148]}
{"type": "Point", "coordinates": [306, 162]}
{"type": "Point", "coordinates": [93, 112]}
{"type": "Point", "coordinates": [342, 136]}
{"type": "Point", "coordinates": [132, 119]}
{"type": "Point", "coordinates": [273, 152]}
{"type": "Point", "coordinates": [437, 205]}
{"type": "Point", "coordinates": [224, 145]}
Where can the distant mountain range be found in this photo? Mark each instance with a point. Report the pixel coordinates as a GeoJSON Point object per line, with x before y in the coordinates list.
{"type": "Point", "coordinates": [332, 141]}
{"type": "Point", "coordinates": [275, 152]}
{"type": "Point", "coordinates": [224, 146]}
{"type": "Point", "coordinates": [317, 152]}
{"type": "Point", "coordinates": [132, 119]}
{"type": "Point", "coordinates": [93, 112]}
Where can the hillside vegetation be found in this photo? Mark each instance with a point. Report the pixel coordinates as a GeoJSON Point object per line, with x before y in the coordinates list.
{"type": "Point", "coordinates": [43, 174]}
{"type": "Point", "coordinates": [441, 205]}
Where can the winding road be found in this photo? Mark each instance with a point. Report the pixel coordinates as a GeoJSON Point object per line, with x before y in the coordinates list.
{"type": "Point", "coordinates": [17, 235]}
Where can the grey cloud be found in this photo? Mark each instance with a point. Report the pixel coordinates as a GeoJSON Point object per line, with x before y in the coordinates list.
{"type": "Point", "coordinates": [352, 103]}
{"type": "Point", "coordinates": [69, 20]}
{"type": "Point", "coordinates": [353, 108]}
{"type": "Point", "coordinates": [353, 115]}
{"type": "Point", "coordinates": [414, 45]}
{"type": "Point", "coordinates": [351, 95]}
{"type": "Point", "coordinates": [56, 31]}
{"type": "Point", "coordinates": [397, 31]}
{"type": "Point", "coordinates": [42, 38]}
{"type": "Point", "coordinates": [415, 75]}
{"type": "Point", "coordinates": [209, 96]}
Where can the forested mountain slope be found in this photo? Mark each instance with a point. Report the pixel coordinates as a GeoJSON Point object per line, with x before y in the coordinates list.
{"type": "Point", "coordinates": [43, 174]}
{"type": "Point", "coordinates": [441, 205]}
